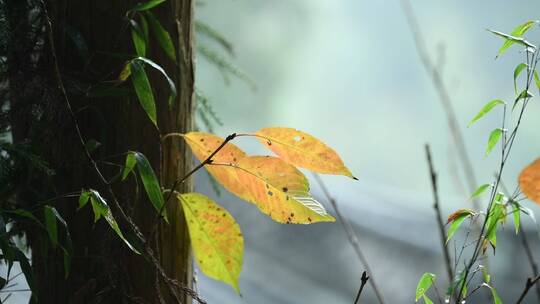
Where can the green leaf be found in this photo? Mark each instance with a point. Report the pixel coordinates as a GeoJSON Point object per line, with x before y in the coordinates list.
{"type": "Point", "coordinates": [124, 75]}
{"type": "Point", "coordinates": [216, 238]}
{"type": "Point", "coordinates": [24, 214]}
{"type": "Point", "coordinates": [50, 223]}
{"type": "Point", "coordinates": [68, 245]}
{"type": "Point", "coordinates": [518, 71]}
{"type": "Point", "coordinates": [427, 300]}
{"type": "Point", "coordinates": [162, 36]}
{"type": "Point", "coordinates": [156, 66]}
{"type": "Point", "coordinates": [516, 212]}
{"type": "Point", "coordinates": [27, 270]}
{"type": "Point", "coordinates": [83, 199]}
{"type": "Point", "coordinates": [494, 138]}
{"type": "Point", "coordinates": [537, 80]}
{"type": "Point", "coordinates": [147, 5]}
{"type": "Point", "coordinates": [213, 34]}
{"type": "Point", "coordinates": [456, 223]}
{"type": "Point", "coordinates": [137, 35]}
{"type": "Point", "coordinates": [130, 164]}
{"type": "Point", "coordinates": [523, 95]}
{"type": "Point", "coordinates": [514, 37]}
{"type": "Point", "coordinates": [150, 183]}
{"type": "Point", "coordinates": [101, 209]}
{"type": "Point", "coordinates": [486, 109]}
{"type": "Point", "coordinates": [424, 284]}
{"type": "Point", "coordinates": [496, 298]}
{"type": "Point", "coordinates": [485, 274]}
{"type": "Point", "coordinates": [480, 190]}
{"type": "Point", "coordinates": [143, 89]}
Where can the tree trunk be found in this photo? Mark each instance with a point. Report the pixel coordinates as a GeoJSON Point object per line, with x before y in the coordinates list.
{"type": "Point", "coordinates": [104, 270]}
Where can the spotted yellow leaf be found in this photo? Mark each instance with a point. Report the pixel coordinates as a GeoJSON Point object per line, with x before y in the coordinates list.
{"type": "Point", "coordinates": [279, 189]}
{"type": "Point", "coordinates": [216, 238]}
{"type": "Point", "coordinates": [303, 150]}
{"type": "Point", "coordinates": [529, 181]}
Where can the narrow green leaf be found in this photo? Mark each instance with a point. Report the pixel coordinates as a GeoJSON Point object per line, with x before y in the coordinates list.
{"type": "Point", "coordinates": [485, 274]}
{"type": "Point", "coordinates": [496, 298]}
{"type": "Point", "coordinates": [150, 183]}
{"type": "Point", "coordinates": [143, 89]}
{"type": "Point", "coordinates": [516, 212]}
{"type": "Point", "coordinates": [427, 300]}
{"type": "Point", "coordinates": [130, 164]}
{"type": "Point", "coordinates": [494, 138]}
{"type": "Point", "coordinates": [101, 209]}
{"type": "Point", "coordinates": [514, 37]}
{"type": "Point", "coordinates": [83, 199]}
{"type": "Point", "coordinates": [137, 36]}
{"type": "Point", "coordinates": [456, 223]}
{"type": "Point", "coordinates": [537, 80]}
{"type": "Point", "coordinates": [50, 223]}
{"type": "Point", "coordinates": [124, 74]}
{"type": "Point", "coordinates": [162, 36]}
{"type": "Point", "coordinates": [24, 214]}
{"type": "Point", "coordinates": [480, 190]}
{"type": "Point", "coordinates": [523, 95]}
{"type": "Point", "coordinates": [156, 66]}
{"type": "Point", "coordinates": [213, 34]}
{"type": "Point", "coordinates": [517, 71]}
{"type": "Point", "coordinates": [147, 5]}
{"type": "Point", "coordinates": [486, 109]}
{"type": "Point", "coordinates": [424, 284]}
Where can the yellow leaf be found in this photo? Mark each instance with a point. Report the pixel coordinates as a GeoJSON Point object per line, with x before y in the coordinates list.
{"type": "Point", "coordinates": [303, 150]}
{"type": "Point", "coordinates": [529, 181]}
{"type": "Point", "coordinates": [216, 238]}
{"type": "Point", "coordinates": [279, 189]}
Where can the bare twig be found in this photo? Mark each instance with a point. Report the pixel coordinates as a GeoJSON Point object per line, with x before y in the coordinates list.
{"type": "Point", "coordinates": [530, 282]}
{"type": "Point", "coordinates": [363, 280]}
{"type": "Point", "coordinates": [436, 77]}
{"type": "Point", "coordinates": [439, 217]}
{"type": "Point", "coordinates": [171, 284]}
{"type": "Point", "coordinates": [526, 246]}
{"type": "Point", "coordinates": [353, 238]}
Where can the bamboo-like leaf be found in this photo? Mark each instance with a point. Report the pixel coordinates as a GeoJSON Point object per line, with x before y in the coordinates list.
{"type": "Point", "coordinates": [129, 166]}
{"type": "Point", "coordinates": [302, 150]}
{"type": "Point", "coordinates": [123, 76]}
{"type": "Point", "coordinates": [456, 219]}
{"type": "Point", "coordinates": [427, 300]}
{"type": "Point", "coordinates": [521, 96]}
{"type": "Point", "coordinates": [494, 294]}
{"type": "Point", "coordinates": [157, 67]}
{"type": "Point", "coordinates": [50, 223]}
{"type": "Point", "coordinates": [83, 198]}
{"type": "Point", "coordinates": [137, 36]}
{"type": "Point", "coordinates": [514, 37]}
{"type": "Point", "coordinates": [150, 183]}
{"type": "Point", "coordinates": [424, 284]}
{"type": "Point", "coordinates": [216, 238]}
{"type": "Point", "coordinates": [143, 89]}
{"type": "Point", "coordinates": [529, 181]}
{"type": "Point", "coordinates": [520, 67]}
{"type": "Point", "coordinates": [480, 190]}
{"type": "Point", "coordinates": [213, 34]}
{"type": "Point", "coordinates": [101, 209]}
{"type": "Point", "coordinates": [494, 138]}
{"type": "Point", "coordinates": [486, 109]}
{"type": "Point", "coordinates": [147, 5]}
{"type": "Point", "coordinates": [277, 188]}
{"type": "Point", "coordinates": [162, 36]}
{"type": "Point", "coordinates": [516, 212]}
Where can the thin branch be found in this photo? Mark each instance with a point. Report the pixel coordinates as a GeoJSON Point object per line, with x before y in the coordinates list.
{"type": "Point", "coordinates": [353, 238]}
{"type": "Point", "coordinates": [530, 282]}
{"type": "Point", "coordinates": [363, 280]}
{"type": "Point", "coordinates": [444, 97]}
{"type": "Point", "coordinates": [438, 215]}
{"type": "Point", "coordinates": [171, 284]}
{"type": "Point", "coordinates": [526, 247]}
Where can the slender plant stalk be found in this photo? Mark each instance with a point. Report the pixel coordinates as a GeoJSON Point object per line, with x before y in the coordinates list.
{"type": "Point", "coordinates": [530, 282]}
{"type": "Point", "coordinates": [440, 223]}
{"type": "Point", "coordinates": [435, 75]}
{"type": "Point", "coordinates": [353, 238]}
{"type": "Point", "coordinates": [363, 280]}
{"type": "Point", "coordinates": [171, 284]}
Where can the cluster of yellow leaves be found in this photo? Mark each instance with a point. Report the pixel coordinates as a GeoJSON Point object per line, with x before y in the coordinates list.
{"type": "Point", "coordinates": [273, 184]}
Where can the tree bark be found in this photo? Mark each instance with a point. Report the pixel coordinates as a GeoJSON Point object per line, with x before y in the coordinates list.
{"type": "Point", "coordinates": [104, 270]}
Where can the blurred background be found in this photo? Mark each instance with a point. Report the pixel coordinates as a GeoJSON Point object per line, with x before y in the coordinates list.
{"type": "Point", "coordinates": [348, 73]}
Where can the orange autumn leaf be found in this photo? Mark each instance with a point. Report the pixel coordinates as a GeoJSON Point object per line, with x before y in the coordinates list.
{"type": "Point", "coordinates": [279, 189]}
{"type": "Point", "coordinates": [529, 181]}
{"type": "Point", "coordinates": [216, 238]}
{"type": "Point", "coordinates": [303, 150]}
